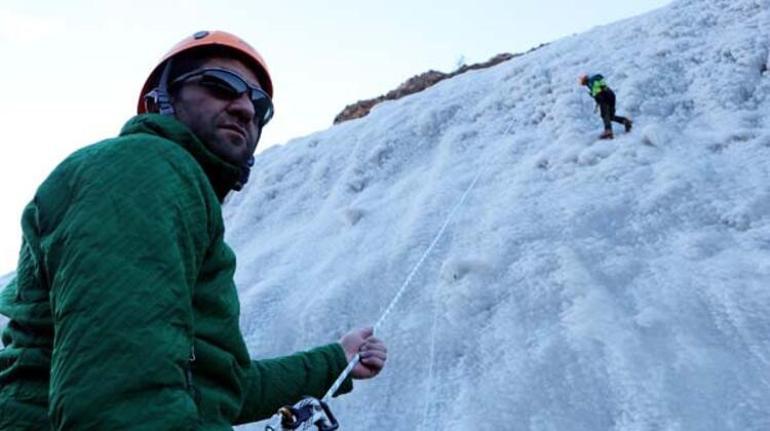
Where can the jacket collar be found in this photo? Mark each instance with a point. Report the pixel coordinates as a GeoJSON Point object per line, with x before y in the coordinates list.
{"type": "Point", "coordinates": [222, 175]}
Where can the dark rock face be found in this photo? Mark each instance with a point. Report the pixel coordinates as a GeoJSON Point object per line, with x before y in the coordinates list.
{"type": "Point", "coordinates": [416, 84]}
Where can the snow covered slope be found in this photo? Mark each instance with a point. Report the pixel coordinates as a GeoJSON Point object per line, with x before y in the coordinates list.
{"type": "Point", "coordinates": [584, 284]}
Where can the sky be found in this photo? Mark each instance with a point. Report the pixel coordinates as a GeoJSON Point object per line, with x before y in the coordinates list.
{"type": "Point", "coordinates": [73, 69]}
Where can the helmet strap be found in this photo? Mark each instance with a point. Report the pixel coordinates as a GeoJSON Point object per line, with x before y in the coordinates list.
{"type": "Point", "coordinates": [159, 97]}
{"type": "Point", "coordinates": [245, 172]}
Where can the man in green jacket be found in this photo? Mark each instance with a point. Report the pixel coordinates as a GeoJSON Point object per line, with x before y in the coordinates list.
{"type": "Point", "coordinates": [123, 312]}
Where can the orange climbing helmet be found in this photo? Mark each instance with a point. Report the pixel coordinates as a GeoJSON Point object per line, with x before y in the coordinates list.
{"type": "Point", "coordinates": [207, 39]}
{"type": "Point", "coordinates": [583, 79]}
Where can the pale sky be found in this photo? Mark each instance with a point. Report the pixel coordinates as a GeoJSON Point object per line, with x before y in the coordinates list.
{"type": "Point", "coordinates": [73, 70]}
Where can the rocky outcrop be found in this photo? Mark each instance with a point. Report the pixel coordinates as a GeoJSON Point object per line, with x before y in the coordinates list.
{"type": "Point", "coordinates": [416, 84]}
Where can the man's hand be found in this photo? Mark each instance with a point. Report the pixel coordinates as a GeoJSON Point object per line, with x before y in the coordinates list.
{"type": "Point", "coordinates": [372, 350]}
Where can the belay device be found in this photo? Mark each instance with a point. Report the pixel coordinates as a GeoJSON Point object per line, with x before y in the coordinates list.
{"type": "Point", "coordinates": [308, 414]}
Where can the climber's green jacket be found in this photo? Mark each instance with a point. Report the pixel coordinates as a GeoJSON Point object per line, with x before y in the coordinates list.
{"type": "Point", "coordinates": [124, 314]}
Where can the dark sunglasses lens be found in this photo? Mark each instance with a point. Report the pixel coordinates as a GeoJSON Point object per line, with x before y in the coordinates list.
{"type": "Point", "coordinates": [263, 107]}
{"type": "Point", "coordinates": [219, 87]}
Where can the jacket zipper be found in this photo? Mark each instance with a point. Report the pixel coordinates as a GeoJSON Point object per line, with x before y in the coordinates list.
{"type": "Point", "coordinates": [190, 362]}
{"type": "Point", "coordinates": [189, 376]}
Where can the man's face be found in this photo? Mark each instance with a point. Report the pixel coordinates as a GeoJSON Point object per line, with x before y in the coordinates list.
{"type": "Point", "coordinates": [226, 126]}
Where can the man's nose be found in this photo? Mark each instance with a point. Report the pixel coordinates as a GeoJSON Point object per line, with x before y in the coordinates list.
{"type": "Point", "coordinates": [242, 107]}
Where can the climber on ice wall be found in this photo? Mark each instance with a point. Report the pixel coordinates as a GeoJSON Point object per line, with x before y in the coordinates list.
{"type": "Point", "coordinates": [605, 101]}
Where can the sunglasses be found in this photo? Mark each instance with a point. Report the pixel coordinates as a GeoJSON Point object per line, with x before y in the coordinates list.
{"type": "Point", "coordinates": [228, 85]}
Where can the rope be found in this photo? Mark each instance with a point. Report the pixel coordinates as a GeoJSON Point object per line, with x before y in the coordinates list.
{"type": "Point", "coordinates": [353, 362]}
{"type": "Point", "coordinates": [424, 255]}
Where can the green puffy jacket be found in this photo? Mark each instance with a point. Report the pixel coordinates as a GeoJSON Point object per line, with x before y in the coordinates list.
{"type": "Point", "coordinates": [124, 314]}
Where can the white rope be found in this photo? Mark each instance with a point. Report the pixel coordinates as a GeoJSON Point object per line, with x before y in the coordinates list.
{"type": "Point", "coordinates": [509, 128]}
{"type": "Point", "coordinates": [424, 255]}
{"type": "Point", "coordinates": [353, 362]}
